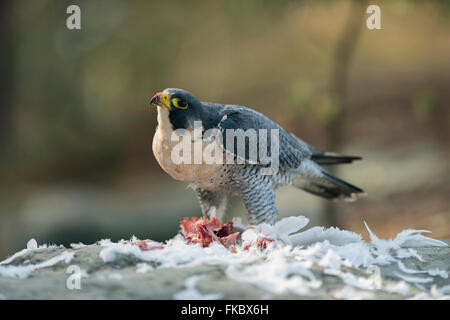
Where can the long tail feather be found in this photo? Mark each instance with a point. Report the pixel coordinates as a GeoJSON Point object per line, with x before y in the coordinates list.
{"type": "Point", "coordinates": [316, 180]}
{"type": "Point", "coordinates": [330, 158]}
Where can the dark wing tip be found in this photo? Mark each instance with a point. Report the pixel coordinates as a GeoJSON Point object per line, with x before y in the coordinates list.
{"type": "Point", "coordinates": [333, 158]}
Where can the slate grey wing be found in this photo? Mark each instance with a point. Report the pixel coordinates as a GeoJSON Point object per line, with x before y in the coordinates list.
{"type": "Point", "coordinates": [291, 151]}
{"type": "Point", "coordinates": [299, 159]}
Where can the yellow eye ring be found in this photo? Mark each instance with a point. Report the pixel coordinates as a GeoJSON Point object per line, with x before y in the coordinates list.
{"type": "Point", "coordinates": [179, 103]}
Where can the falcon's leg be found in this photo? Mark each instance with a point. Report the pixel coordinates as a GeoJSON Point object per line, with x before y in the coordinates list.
{"type": "Point", "coordinates": [213, 204]}
{"type": "Point", "coordinates": [259, 199]}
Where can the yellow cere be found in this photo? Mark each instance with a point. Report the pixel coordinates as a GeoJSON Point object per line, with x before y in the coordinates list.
{"type": "Point", "coordinates": [165, 101]}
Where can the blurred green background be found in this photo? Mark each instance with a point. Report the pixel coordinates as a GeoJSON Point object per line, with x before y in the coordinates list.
{"type": "Point", "coordinates": [75, 127]}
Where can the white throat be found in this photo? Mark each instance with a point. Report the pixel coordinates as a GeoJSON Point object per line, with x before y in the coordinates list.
{"type": "Point", "coordinates": [163, 119]}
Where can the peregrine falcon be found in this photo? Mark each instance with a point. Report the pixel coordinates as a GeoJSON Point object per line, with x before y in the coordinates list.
{"type": "Point", "coordinates": [298, 163]}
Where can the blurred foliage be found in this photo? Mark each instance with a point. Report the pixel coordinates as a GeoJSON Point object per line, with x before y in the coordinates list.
{"type": "Point", "coordinates": [424, 103]}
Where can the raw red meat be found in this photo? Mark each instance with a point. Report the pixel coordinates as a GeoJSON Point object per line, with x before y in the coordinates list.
{"type": "Point", "coordinates": [261, 243]}
{"type": "Point", "coordinates": [205, 231]}
{"type": "Point", "coordinates": [148, 244]}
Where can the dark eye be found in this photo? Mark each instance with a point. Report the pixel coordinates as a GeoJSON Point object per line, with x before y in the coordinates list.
{"type": "Point", "coordinates": [179, 103]}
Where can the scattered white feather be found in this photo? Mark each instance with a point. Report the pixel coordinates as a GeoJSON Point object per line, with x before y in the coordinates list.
{"type": "Point", "coordinates": [401, 288]}
{"type": "Point", "coordinates": [438, 272]}
{"type": "Point", "coordinates": [413, 238]}
{"type": "Point", "coordinates": [356, 253]}
{"type": "Point", "coordinates": [350, 293]}
{"type": "Point", "coordinates": [32, 244]}
{"type": "Point", "coordinates": [48, 246]}
{"type": "Point", "coordinates": [412, 279]}
{"type": "Point", "coordinates": [191, 292]}
{"type": "Point", "coordinates": [23, 271]}
{"type": "Point", "coordinates": [444, 289]}
{"type": "Point", "coordinates": [431, 272]}
{"type": "Point", "coordinates": [80, 245]}
{"type": "Point", "coordinates": [281, 268]}
{"type": "Point", "coordinates": [104, 242]}
{"type": "Point", "coordinates": [278, 273]}
{"type": "Point", "coordinates": [318, 234]}
{"type": "Point", "coordinates": [332, 262]}
{"type": "Point", "coordinates": [434, 294]}
{"type": "Point", "coordinates": [278, 259]}
{"type": "Point", "coordinates": [408, 253]}
{"type": "Point", "coordinates": [287, 226]}
{"type": "Point", "coordinates": [144, 268]}
{"type": "Point", "coordinates": [370, 283]}
{"type": "Point", "coordinates": [14, 256]}
{"type": "Point", "coordinates": [112, 250]}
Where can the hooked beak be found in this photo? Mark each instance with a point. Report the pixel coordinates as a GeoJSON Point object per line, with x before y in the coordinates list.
{"type": "Point", "coordinates": [161, 99]}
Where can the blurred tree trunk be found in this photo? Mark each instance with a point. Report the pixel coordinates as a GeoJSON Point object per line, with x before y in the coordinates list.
{"type": "Point", "coordinates": [6, 71]}
{"type": "Point", "coordinates": [343, 56]}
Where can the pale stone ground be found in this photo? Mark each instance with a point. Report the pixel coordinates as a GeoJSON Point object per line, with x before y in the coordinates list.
{"type": "Point", "coordinates": [119, 279]}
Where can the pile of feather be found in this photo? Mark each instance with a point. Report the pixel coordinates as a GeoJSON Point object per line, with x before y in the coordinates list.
{"type": "Point", "coordinates": [284, 258]}
{"type": "Point", "coordinates": [280, 258]}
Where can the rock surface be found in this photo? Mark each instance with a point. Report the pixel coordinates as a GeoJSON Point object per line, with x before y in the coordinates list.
{"type": "Point", "coordinates": [127, 277]}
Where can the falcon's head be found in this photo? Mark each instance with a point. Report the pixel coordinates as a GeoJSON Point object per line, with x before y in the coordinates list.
{"type": "Point", "coordinates": [183, 107]}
